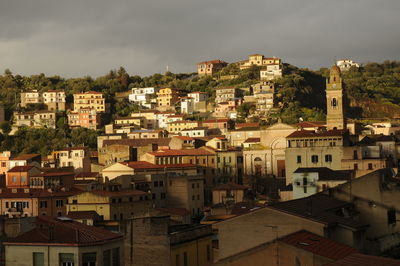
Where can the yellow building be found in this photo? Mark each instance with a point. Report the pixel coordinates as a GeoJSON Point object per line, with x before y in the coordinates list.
{"type": "Point", "coordinates": [167, 98]}
{"type": "Point", "coordinates": [111, 205]}
{"type": "Point", "coordinates": [89, 99]}
{"type": "Point", "coordinates": [178, 126]}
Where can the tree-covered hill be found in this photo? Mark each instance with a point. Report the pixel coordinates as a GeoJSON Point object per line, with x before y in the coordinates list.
{"type": "Point", "coordinates": [373, 91]}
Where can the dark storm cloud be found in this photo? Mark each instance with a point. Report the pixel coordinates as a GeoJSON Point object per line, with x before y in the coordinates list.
{"type": "Point", "coordinates": [76, 38]}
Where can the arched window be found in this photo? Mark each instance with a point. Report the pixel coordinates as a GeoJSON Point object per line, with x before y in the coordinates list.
{"type": "Point", "coordinates": [257, 159]}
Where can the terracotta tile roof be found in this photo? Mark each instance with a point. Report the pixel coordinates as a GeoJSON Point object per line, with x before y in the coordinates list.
{"type": "Point", "coordinates": [240, 125]}
{"type": "Point", "coordinates": [247, 129]}
{"type": "Point", "coordinates": [137, 142]}
{"type": "Point", "coordinates": [65, 232]}
{"type": "Point", "coordinates": [146, 165]}
{"type": "Point", "coordinates": [306, 124]}
{"type": "Point", "coordinates": [23, 168]}
{"type": "Point", "coordinates": [322, 133]}
{"type": "Point", "coordinates": [230, 186]}
{"type": "Point", "coordinates": [252, 140]}
{"type": "Point", "coordinates": [318, 245]}
{"type": "Point", "coordinates": [182, 122]}
{"type": "Point", "coordinates": [186, 152]}
{"type": "Point", "coordinates": [320, 208]}
{"type": "Point", "coordinates": [358, 259]}
{"type": "Point", "coordinates": [195, 128]}
{"type": "Point", "coordinates": [197, 92]}
{"type": "Point", "coordinates": [26, 156]}
{"type": "Point", "coordinates": [211, 121]}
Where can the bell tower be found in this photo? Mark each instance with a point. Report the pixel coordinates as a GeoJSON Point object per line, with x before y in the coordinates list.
{"type": "Point", "coordinates": [335, 100]}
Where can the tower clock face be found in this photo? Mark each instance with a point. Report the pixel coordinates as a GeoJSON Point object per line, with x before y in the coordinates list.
{"type": "Point", "coordinates": [334, 85]}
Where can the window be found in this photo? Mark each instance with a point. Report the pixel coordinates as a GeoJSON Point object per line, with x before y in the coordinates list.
{"type": "Point", "coordinates": [59, 203]}
{"type": "Point", "coordinates": [161, 183]}
{"type": "Point", "coordinates": [43, 204]}
{"type": "Point", "coordinates": [298, 158]}
{"type": "Point", "coordinates": [14, 179]}
{"type": "Point", "coordinates": [328, 158]}
{"type": "Point", "coordinates": [355, 166]}
{"type": "Point", "coordinates": [66, 259]}
{"type": "Point", "coordinates": [23, 179]}
{"type": "Point", "coordinates": [314, 158]}
{"type": "Point", "coordinates": [355, 155]}
{"type": "Point", "coordinates": [89, 259]}
{"type": "Point", "coordinates": [38, 259]}
{"type": "Point", "coordinates": [370, 166]}
{"type": "Point", "coordinates": [155, 183]}
{"type": "Point", "coordinates": [163, 195]}
{"type": "Point", "coordinates": [391, 216]}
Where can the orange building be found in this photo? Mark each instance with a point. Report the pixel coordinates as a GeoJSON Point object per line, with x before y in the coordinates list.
{"type": "Point", "coordinates": [19, 176]}
{"type": "Point", "coordinates": [210, 67]}
{"type": "Point", "coordinates": [84, 117]}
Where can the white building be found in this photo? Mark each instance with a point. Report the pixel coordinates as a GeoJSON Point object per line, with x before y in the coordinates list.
{"type": "Point", "coordinates": [271, 72]}
{"type": "Point", "coordinates": [196, 132]}
{"type": "Point", "coordinates": [187, 105]}
{"type": "Point", "coordinates": [309, 181]}
{"type": "Point", "coordinates": [77, 157]}
{"type": "Point", "coordinates": [346, 64]}
{"type": "Point", "coordinates": [55, 100]}
{"type": "Point", "coordinates": [143, 96]}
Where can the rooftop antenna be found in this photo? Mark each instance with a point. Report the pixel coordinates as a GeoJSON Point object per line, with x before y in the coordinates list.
{"type": "Point", "coordinates": [167, 68]}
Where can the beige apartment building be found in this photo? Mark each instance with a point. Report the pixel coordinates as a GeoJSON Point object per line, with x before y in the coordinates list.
{"type": "Point", "coordinates": [178, 126]}
{"type": "Point", "coordinates": [89, 99]}
{"type": "Point", "coordinates": [77, 157]}
{"type": "Point", "coordinates": [55, 100]}
{"type": "Point", "coordinates": [36, 119]}
{"type": "Point", "coordinates": [225, 94]}
{"type": "Point", "coordinates": [259, 60]}
{"type": "Point", "coordinates": [210, 67]}
{"type": "Point", "coordinates": [30, 97]}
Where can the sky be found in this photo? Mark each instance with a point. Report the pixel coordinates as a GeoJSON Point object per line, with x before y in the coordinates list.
{"type": "Point", "coordinates": [75, 38]}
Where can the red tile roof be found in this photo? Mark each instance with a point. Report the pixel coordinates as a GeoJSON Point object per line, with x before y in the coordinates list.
{"type": "Point", "coordinates": [23, 168]}
{"type": "Point", "coordinates": [146, 165]}
{"type": "Point", "coordinates": [306, 124]}
{"type": "Point", "coordinates": [89, 92]}
{"type": "Point", "coordinates": [220, 120]}
{"type": "Point", "coordinates": [252, 140]}
{"type": "Point", "coordinates": [65, 232]}
{"type": "Point", "coordinates": [186, 152]}
{"type": "Point", "coordinates": [357, 259]}
{"type": "Point", "coordinates": [125, 192]}
{"type": "Point", "coordinates": [137, 142]}
{"type": "Point", "coordinates": [318, 245]}
{"type": "Point", "coordinates": [322, 133]}
{"type": "Point", "coordinates": [240, 125]}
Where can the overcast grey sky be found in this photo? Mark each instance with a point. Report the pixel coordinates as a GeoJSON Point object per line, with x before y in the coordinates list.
{"type": "Point", "coordinates": [74, 38]}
